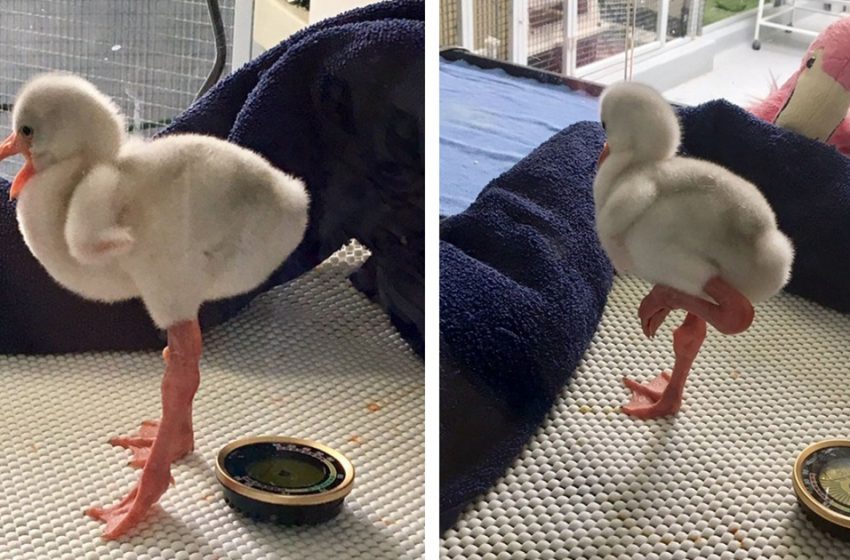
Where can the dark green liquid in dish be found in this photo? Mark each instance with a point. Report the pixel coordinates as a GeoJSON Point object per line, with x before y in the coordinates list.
{"type": "Point", "coordinates": [288, 470]}
{"type": "Point", "coordinates": [835, 479]}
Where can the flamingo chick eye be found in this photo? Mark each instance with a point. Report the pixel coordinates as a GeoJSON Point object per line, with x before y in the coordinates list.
{"type": "Point", "coordinates": [810, 62]}
{"type": "Point", "coordinates": [26, 130]}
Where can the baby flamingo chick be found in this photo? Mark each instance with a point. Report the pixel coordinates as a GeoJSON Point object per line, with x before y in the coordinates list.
{"type": "Point", "coordinates": [705, 237]}
{"type": "Point", "coordinates": [176, 221]}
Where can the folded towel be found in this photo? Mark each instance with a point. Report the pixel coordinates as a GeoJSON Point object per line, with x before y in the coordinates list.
{"type": "Point", "coordinates": [340, 104]}
{"type": "Point", "coordinates": [523, 281]}
{"type": "Point", "coordinates": [805, 181]}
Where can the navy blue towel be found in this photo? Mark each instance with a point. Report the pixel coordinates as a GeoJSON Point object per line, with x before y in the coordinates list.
{"type": "Point", "coordinates": [340, 104]}
{"type": "Point", "coordinates": [806, 182]}
{"type": "Point", "coordinates": [523, 281]}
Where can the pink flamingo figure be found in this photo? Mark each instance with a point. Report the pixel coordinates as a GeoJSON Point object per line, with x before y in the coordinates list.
{"type": "Point", "coordinates": [815, 100]}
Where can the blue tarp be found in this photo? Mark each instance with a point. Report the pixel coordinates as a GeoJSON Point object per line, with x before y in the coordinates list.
{"type": "Point", "coordinates": [489, 120]}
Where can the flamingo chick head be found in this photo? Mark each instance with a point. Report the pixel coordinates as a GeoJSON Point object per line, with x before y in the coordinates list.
{"type": "Point", "coordinates": [57, 117]}
{"type": "Point", "coordinates": [639, 122]}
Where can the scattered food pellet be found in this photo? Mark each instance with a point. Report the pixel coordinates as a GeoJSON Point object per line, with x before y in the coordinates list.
{"type": "Point", "coordinates": [736, 374]}
{"type": "Point", "coordinates": [696, 538]}
{"type": "Point", "coordinates": [356, 439]}
{"type": "Point", "coordinates": [584, 409]}
{"type": "Point", "coordinates": [373, 407]}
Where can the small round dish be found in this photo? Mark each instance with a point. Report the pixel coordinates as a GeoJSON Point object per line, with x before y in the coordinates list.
{"type": "Point", "coordinates": [822, 485]}
{"type": "Point", "coordinates": [286, 480]}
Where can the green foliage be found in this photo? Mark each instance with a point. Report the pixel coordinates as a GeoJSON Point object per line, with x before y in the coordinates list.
{"type": "Point", "coordinates": [732, 5]}
{"type": "Point", "coordinates": [716, 10]}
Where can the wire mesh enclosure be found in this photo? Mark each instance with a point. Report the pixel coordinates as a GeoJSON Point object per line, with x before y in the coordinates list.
{"type": "Point", "coordinates": [617, 15]}
{"type": "Point", "coordinates": [150, 56]}
{"type": "Point", "coordinates": [449, 23]}
{"type": "Point", "coordinates": [600, 31]}
{"type": "Point", "coordinates": [492, 23]}
{"type": "Point", "coordinates": [490, 29]}
{"type": "Point", "coordinates": [546, 34]}
{"type": "Point", "coordinates": [597, 29]}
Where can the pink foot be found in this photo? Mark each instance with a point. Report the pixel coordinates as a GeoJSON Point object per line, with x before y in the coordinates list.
{"type": "Point", "coordinates": [651, 316]}
{"type": "Point", "coordinates": [732, 313]}
{"type": "Point", "coordinates": [159, 443]}
{"type": "Point", "coordinates": [140, 444]}
{"type": "Point", "coordinates": [156, 476]}
{"type": "Point", "coordinates": [654, 308]}
{"type": "Point", "coordinates": [129, 512]}
{"type": "Point", "coordinates": [663, 395]}
{"type": "Point", "coordinates": [652, 399]}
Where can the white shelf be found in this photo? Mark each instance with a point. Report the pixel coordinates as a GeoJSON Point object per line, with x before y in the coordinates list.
{"type": "Point", "coordinates": [767, 17]}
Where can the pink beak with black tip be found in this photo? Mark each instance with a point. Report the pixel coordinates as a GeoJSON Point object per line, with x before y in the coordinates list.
{"type": "Point", "coordinates": [12, 145]}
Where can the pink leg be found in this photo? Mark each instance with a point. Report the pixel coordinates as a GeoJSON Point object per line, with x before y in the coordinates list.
{"type": "Point", "coordinates": [663, 395]}
{"type": "Point", "coordinates": [732, 314]}
{"type": "Point", "coordinates": [140, 444]}
{"type": "Point", "coordinates": [158, 444]}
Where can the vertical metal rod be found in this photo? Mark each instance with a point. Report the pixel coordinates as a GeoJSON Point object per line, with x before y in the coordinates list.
{"type": "Point", "coordinates": [467, 30]}
{"type": "Point", "coordinates": [759, 17]}
{"type": "Point", "coordinates": [565, 44]}
{"type": "Point", "coordinates": [626, 40]}
{"type": "Point", "coordinates": [220, 47]}
{"type": "Point", "coordinates": [570, 56]}
{"type": "Point", "coordinates": [695, 18]}
{"type": "Point", "coordinates": [243, 32]}
{"type": "Point", "coordinates": [663, 17]}
{"type": "Point", "coordinates": [519, 32]}
{"type": "Point", "coordinates": [632, 42]}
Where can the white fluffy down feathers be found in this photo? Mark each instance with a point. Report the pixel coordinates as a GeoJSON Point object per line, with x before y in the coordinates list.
{"type": "Point", "coordinates": [177, 221]}
{"type": "Point", "coordinates": [680, 221]}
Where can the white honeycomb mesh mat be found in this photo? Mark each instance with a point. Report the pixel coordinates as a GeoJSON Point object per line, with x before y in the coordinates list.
{"type": "Point", "coordinates": [713, 482]}
{"type": "Point", "coordinates": [312, 358]}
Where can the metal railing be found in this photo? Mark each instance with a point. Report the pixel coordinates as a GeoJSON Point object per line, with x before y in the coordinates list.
{"type": "Point", "coordinates": [152, 58]}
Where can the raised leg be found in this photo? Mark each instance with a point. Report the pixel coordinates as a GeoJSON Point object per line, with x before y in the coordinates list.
{"type": "Point", "coordinates": [158, 444]}
{"type": "Point", "coordinates": [731, 314]}
{"type": "Point", "coordinates": [663, 395]}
